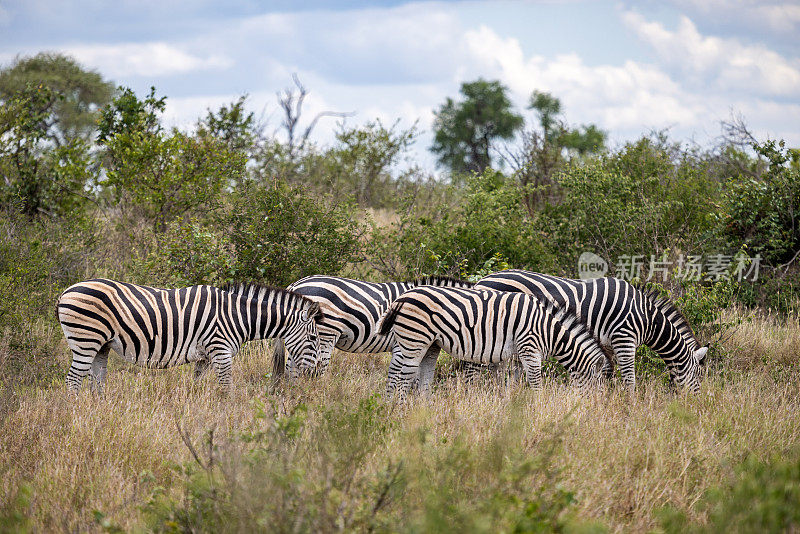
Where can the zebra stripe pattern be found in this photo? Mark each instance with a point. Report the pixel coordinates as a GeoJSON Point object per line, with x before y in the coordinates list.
{"type": "Point", "coordinates": [621, 316]}
{"type": "Point", "coordinates": [352, 310]}
{"type": "Point", "coordinates": [485, 327]}
{"type": "Point", "coordinates": [161, 328]}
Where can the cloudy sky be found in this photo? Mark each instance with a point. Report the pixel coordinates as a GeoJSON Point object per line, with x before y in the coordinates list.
{"type": "Point", "coordinates": [629, 67]}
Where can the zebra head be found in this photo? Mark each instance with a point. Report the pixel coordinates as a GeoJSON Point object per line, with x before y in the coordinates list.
{"type": "Point", "coordinates": [688, 374]}
{"type": "Point", "coordinates": [674, 340]}
{"type": "Point", "coordinates": [575, 347]}
{"type": "Point", "coordinates": [302, 340]}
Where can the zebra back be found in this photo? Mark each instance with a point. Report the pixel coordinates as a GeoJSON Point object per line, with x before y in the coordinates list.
{"type": "Point", "coordinates": [354, 308]}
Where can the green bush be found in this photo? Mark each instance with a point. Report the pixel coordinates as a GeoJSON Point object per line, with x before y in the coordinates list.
{"type": "Point", "coordinates": [38, 259]}
{"type": "Point", "coordinates": [638, 201]}
{"type": "Point", "coordinates": [279, 233]}
{"type": "Point", "coordinates": [299, 471]}
{"type": "Point", "coordinates": [488, 223]}
{"type": "Point", "coordinates": [40, 178]}
{"type": "Point", "coordinates": [163, 175]}
{"type": "Point", "coordinates": [188, 253]}
{"type": "Point", "coordinates": [761, 495]}
{"type": "Point", "coordinates": [762, 212]}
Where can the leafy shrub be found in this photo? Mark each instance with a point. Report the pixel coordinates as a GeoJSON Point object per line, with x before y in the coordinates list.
{"type": "Point", "coordinates": [164, 175]}
{"type": "Point", "coordinates": [38, 259]}
{"type": "Point", "coordinates": [279, 233]}
{"type": "Point", "coordinates": [299, 471]}
{"type": "Point", "coordinates": [760, 496]}
{"type": "Point", "coordinates": [39, 177]}
{"type": "Point", "coordinates": [187, 253]}
{"type": "Point", "coordinates": [488, 222]}
{"type": "Point", "coordinates": [634, 202]}
{"type": "Point", "coordinates": [287, 473]}
{"type": "Point", "coordinates": [762, 212]}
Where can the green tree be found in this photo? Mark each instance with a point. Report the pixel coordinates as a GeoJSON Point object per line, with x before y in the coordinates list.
{"type": "Point", "coordinates": [465, 131]}
{"type": "Point", "coordinates": [763, 211]}
{"type": "Point", "coordinates": [232, 124]}
{"type": "Point", "coordinates": [486, 225]}
{"type": "Point", "coordinates": [583, 140]}
{"type": "Point", "coordinates": [39, 177]}
{"type": "Point", "coordinates": [548, 108]}
{"type": "Point", "coordinates": [638, 201]}
{"type": "Point", "coordinates": [542, 154]}
{"type": "Point", "coordinates": [75, 94]}
{"type": "Point", "coordinates": [362, 162]}
{"type": "Point", "coordinates": [163, 174]}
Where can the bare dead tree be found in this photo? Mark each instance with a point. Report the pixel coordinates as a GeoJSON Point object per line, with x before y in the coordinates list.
{"type": "Point", "coordinates": [291, 101]}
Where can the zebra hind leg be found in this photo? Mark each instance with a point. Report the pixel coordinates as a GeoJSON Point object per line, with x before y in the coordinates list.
{"type": "Point", "coordinates": [403, 369]}
{"type": "Point", "coordinates": [99, 368]}
{"type": "Point", "coordinates": [200, 367]}
{"type": "Point", "coordinates": [326, 346]}
{"type": "Point", "coordinates": [532, 364]}
{"type": "Point", "coordinates": [223, 364]}
{"type": "Point", "coordinates": [427, 369]}
{"type": "Point", "coordinates": [625, 352]}
{"type": "Point", "coordinates": [82, 360]}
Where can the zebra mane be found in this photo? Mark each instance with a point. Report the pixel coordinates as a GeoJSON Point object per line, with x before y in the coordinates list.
{"type": "Point", "coordinates": [253, 290]}
{"type": "Point", "coordinates": [441, 281]}
{"type": "Point", "coordinates": [668, 308]}
{"type": "Point", "coordinates": [568, 320]}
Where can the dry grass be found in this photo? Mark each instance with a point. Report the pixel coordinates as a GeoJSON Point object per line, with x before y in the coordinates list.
{"type": "Point", "coordinates": [624, 458]}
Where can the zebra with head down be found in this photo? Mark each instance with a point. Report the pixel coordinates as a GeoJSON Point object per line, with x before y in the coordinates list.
{"type": "Point", "coordinates": [621, 316]}
{"type": "Point", "coordinates": [161, 328]}
{"type": "Point", "coordinates": [485, 327]}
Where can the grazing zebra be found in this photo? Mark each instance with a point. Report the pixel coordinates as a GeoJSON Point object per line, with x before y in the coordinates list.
{"type": "Point", "coordinates": [621, 316]}
{"type": "Point", "coordinates": [160, 328]}
{"type": "Point", "coordinates": [485, 327]}
{"type": "Point", "coordinates": [352, 310]}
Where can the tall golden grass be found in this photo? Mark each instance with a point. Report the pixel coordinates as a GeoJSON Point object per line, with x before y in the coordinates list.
{"type": "Point", "coordinates": [624, 458]}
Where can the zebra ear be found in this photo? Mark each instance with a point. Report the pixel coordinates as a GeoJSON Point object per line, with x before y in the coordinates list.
{"type": "Point", "coordinates": [700, 354]}
{"type": "Point", "coordinates": [314, 311]}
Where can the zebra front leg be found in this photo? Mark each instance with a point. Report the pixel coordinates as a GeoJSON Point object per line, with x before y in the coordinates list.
{"type": "Point", "coordinates": [531, 360]}
{"type": "Point", "coordinates": [99, 368]}
{"type": "Point", "coordinates": [403, 368]}
{"type": "Point", "coordinates": [200, 367]}
{"type": "Point", "coordinates": [223, 364]}
{"type": "Point", "coordinates": [625, 354]}
{"type": "Point", "coordinates": [326, 346]}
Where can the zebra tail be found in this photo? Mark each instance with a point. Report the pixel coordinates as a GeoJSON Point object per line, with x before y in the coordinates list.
{"type": "Point", "coordinates": [390, 317]}
{"type": "Point", "coordinates": [279, 359]}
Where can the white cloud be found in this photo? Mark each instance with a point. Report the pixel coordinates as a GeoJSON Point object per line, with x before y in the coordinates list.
{"type": "Point", "coordinates": [630, 96]}
{"type": "Point", "coordinates": [729, 64]}
{"type": "Point", "coordinates": [144, 59]}
{"type": "Point", "coordinates": [783, 17]}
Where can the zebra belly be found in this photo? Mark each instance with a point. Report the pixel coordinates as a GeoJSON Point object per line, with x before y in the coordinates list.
{"type": "Point", "coordinates": [157, 359]}
{"type": "Point", "coordinates": [488, 355]}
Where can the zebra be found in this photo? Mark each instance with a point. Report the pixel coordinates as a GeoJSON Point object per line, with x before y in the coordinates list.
{"type": "Point", "coordinates": [352, 310]}
{"type": "Point", "coordinates": [486, 327]}
{"type": "Point", "coordinates": [621, 316]}
{"type": "Point", "coordinates": [159, 328]}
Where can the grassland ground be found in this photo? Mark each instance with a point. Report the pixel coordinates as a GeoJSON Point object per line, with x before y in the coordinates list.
{"type": "Point", "coordinates": [159, 450]}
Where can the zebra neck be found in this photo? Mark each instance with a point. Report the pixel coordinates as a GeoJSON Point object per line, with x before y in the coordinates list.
{"type": "Point", "coordinates": [662, 334]}
{"type": "Point", "coordinates": [265, 317]}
